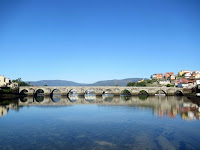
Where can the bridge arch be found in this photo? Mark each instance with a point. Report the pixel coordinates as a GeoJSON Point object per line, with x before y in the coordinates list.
{"type": "Point", "coordinates": [89, 91]}
{"type": "Point", "coordinates": [73, 95]}
{"type": "Point", "coordinates": [39, 91]}
{"type": "Point", "coordinates": [125, 92]}
{"type": "Point", "coordinates": [31, 90]}
{"type": "Point", "coordinates": [73, 91]}
{"type": "Point", "coordinates": [90, 95]}
{"type": "Point", "coordinates": [108, 91]}
{"type": "Point", "coordinates": [39, 95]}
{"type": "Point", "coordinates": [161, 92]}
{"type": "Point", "coordinates": [55, 91]}
{"type": "Point", "coordinates": [143, 92]}
{"type": "Point", "coordinates": [24, 92]}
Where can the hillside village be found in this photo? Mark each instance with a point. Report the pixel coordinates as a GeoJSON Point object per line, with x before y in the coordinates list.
{"type": "Point", "coordinates": [184, 79]}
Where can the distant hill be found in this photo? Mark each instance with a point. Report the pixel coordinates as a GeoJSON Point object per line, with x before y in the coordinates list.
{"type": "Point", "coordinates": [122, 82]}
{"type": "Point", "coordinates": [56, 83]}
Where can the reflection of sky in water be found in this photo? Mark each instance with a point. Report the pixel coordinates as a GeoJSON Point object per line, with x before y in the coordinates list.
{"type": "Point", "coordinates": [97, 127]}
{"type": "Point", "coordinates": [56, 98]}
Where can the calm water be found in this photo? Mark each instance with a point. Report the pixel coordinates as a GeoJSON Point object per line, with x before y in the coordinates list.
{"type": "Point", "coordinates": [100, 123]}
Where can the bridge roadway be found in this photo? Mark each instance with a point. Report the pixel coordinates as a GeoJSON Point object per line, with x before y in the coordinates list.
{"type": "Point", "coordinates": [98, 90]}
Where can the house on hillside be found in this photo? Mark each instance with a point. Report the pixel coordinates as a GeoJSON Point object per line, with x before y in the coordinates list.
{"type": "Point", "coordinates": [188, 75]}
{"type": "Point", "coordinates": [195, 74]}
{"type": "Point", "coordinates": [183, 83]}
{"type": "Point", "coordinates": [197, 82]}
{"type": "Point", "coordinates": [157, 76]}
{"type": "Point", "coordinates": [168, 74]}
{"type": "Point", "coordinates": [141, 80]}
{"type": "Point", "coordinates": [172, 77]}
{"type": "Point", "coordinates": [164, 81]}
{"type": "Point", "coordinates": [182, 72]}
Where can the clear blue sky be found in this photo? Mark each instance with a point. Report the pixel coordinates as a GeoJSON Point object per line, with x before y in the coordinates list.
{"type": "Point", "coordinates": [90, 40]}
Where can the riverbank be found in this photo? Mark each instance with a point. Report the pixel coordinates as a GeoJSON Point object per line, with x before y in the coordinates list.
{"type": "Point", "coordinates": [9, 96]}
{"type": "Point", "coordinates": [194, 98]}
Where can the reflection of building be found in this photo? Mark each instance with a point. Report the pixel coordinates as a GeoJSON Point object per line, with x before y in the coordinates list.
{"type": "Point", "coordinates": [189, 111]}
{"type": "Point", "coordinates": [3, 111]}
{"type": "Point", "coordinates": [5, 108]}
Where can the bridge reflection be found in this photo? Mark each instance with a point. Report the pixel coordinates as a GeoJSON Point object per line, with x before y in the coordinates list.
{"type": "Point", "coordinates": [162, 106]}
{"type": "Point", "coordinates": [107, 99]}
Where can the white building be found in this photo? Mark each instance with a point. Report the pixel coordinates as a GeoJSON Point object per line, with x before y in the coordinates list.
{"type": "Point", "coordinates": [164, 82]}
{"type": "Point", "coordinates": [6, 82]}
{"type": "Point", "coordinates": [183, 85]}
{"type": "Point", "coordinates": [3, 81]}
{"type": "Point", "coordinates": [188, 75]}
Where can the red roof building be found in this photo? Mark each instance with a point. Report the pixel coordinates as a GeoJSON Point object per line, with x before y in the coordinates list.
{"type": "Point", "coordinates": [168, 74]}
{"type": "Point", "coordinates": [183, 81]}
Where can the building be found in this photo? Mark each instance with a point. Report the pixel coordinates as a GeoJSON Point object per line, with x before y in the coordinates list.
{"type": "Point", "coordinates": [182, 72]}
{"type": "Point", "coordinates": [168, 74]}
{"type": "Point", "coordinates": [188, 75]}
{"type": "Point", "coordinates": [164, 81]}
{"type": "Point", "coordinates": [6, 82]}
{"type": "Point", "coordinates": [198, 82]}
{"type": "Point", "coordinates": [183, 83]}
{"type": "Point", "coordinates": [140, 80]}
{"type": "Point", "coordinates": [157, 76]}
{"type": "Point", "coordinates": [172, 77]}
{"type": "Point", "coordinates": [195, 75]}
{"type": "Point", "coordinates": [153, 76]}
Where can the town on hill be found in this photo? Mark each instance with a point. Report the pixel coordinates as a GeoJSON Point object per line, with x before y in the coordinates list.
{"type": "Point", "coordinates": [184, 78]}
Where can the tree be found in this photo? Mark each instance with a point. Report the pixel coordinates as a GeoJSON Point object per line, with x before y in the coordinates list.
{"type": "Point", "coordinates": [169, 85]}
{"type": "Point", "coordinates": [141, 84]}
{"type": "Point", "coordinates": [131, 84]}
{"type": "Point", "coordinates": [20, 82]}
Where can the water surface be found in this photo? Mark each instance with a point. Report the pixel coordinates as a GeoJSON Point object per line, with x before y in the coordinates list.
{"type": "Point", "coordinates": [106, 122]}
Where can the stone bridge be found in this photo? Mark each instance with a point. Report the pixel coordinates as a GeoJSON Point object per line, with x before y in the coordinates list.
{"type": "Point", "coordinates": [99, 90]}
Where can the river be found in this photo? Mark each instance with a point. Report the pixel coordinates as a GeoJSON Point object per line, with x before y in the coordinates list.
{"type": "Point", "coordinates": [108, 122]}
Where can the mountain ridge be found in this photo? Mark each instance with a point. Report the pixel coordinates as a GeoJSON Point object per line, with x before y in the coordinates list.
{"type": "Point", "coordinates": [119, 82]}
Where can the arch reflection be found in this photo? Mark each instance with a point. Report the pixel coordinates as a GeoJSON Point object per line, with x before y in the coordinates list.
{"type": "Point", "coordinates": [56, 95]}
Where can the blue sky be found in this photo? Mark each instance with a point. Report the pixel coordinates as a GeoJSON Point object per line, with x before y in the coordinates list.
{"type": "Point", "coordinates": [90, 40]}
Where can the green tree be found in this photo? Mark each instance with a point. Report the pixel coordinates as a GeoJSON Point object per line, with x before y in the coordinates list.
{"type": "Point", "coordinates": [131, 84]}
{"type": "Point", "coordinates": [20, 82]}
{"type": "Point", "coordinates": [169, 85]}
{"type": "Point", "coordinates": [141, 84]}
